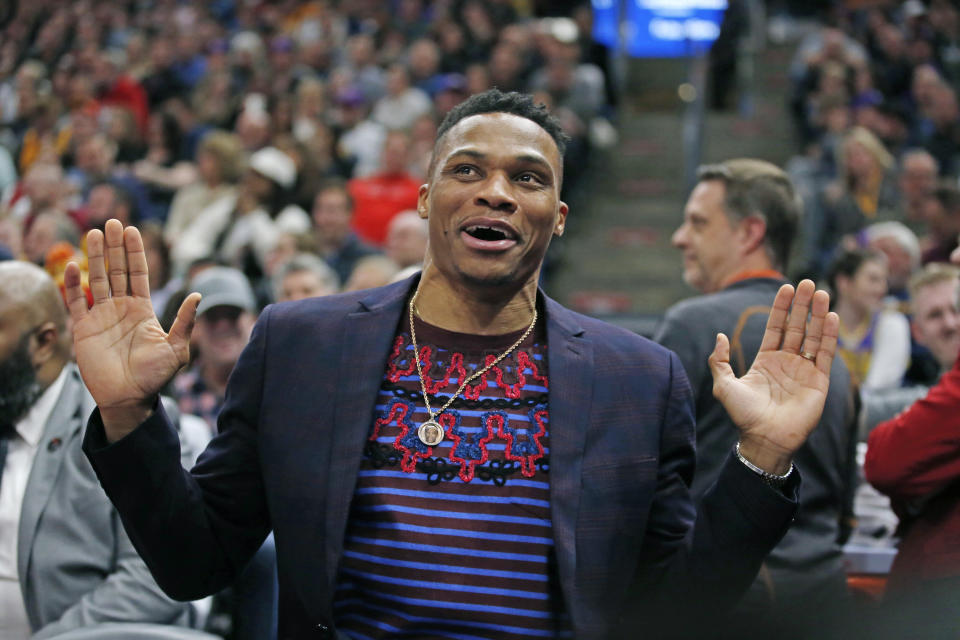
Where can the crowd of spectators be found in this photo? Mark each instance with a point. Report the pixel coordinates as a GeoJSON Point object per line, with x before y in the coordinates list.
{"type": "Point", "coordinates": [244, 134]}
{"type": "Point", "coordinates": [220, 122]}
{"type": "Point", "coordinates": [267, 150]}
{"type": "Point", "coordinates": [874, 105]}
{"type": "Point", "coordinates": [874, 102]}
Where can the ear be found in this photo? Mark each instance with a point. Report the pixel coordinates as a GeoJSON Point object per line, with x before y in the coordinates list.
{"type": "Point", "coordinates": [47, 335]}
{"type": "Point", "coordinates": [562, 211]}
{"type": "Point", "coordinates": [754, 232]}
{"type": "Point", "coordinates": [422, 201]}
{"type": "Point", "coordinates": [915, 333]}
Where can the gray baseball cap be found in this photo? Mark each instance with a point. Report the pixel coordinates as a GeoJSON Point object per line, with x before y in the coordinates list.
{"type": "Point", "coordinates": [223, 286]}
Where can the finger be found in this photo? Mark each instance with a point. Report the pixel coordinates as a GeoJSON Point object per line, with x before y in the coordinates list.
{"type": "Point", "coordinates": [796, 325]}
{"type": "Point", "coordinates": [73, 292]}
{"type": "Point", "coordinates": [828, 342]}
{"type": "Point", "coordinates": [136, 263]}
{"type": "Point", "coordinates": [96, 268]}
{"type": "Point", "coordinates": [179, 336]}
{"type": "Point", "coordinates": [719, 362]}
{"type": "Point", "coordinates": [116, 257]}
{"type": "Point", "coordinates": [777, 321]}
{"type": "Point", "coordinates": [818, 308]}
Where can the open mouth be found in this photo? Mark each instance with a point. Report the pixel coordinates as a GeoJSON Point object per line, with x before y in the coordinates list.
{"type": "Point", "coordinates": [488, 234]}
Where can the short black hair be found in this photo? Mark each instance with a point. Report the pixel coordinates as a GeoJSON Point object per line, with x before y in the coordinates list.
{"type": "Point", "coordinates": [514, 103]}
{"type": "Point", "coordinates": [847, 263]}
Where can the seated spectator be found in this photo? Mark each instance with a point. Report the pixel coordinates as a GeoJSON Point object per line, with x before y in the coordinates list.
{"type": "Point", "coordinates": [943, 138]}
{"type": "Point", "coordinates": [242, 231]}
{"type": "Point", "coordinates": [225, 318]}
{"type": "Point", "coordinates": [332, 226]}
{"type": "Point", "coordinates": [864, 192]}
{"type": "Point", "coordinates": [407, 238]}
{"type": "Point", "coordinates": [65, 561]}
{"type": "Point", "coordinates": [361, 138]}
{"type": "Point", "coordinates": [935, 325]}
{"type": "Point", "coordinates": [914, 458]}
{"type": "Point", "coordinates": [371, 271]}
{"type": "Point", "coordinates": [220, 162]}
{"type": "Point", "coordinates": [107, 200]}
{"type": "Point", "coordinates": [402, 104]}
{"type": "Point", "coordinates": [940, 212]}
{"type": "Point", "coordinates": [47, 229]}
{"type": "Point", "coordinates": [917, 179]}
{"type": "Point", "coordinates": [304, 276]}
{"type": "Point", "coordinates": [902, 249]}
{"type": "Point", "coordinates": [874, 341]}
{"type": "Point", "coordinates": [379, 197]}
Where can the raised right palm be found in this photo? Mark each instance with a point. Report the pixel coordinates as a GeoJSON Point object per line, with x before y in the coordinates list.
{"type": "Point", "coordinates": [124, 356]}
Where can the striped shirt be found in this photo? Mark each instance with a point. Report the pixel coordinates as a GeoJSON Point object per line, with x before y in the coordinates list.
{"type": "Point", "coordinates": [455, 540]}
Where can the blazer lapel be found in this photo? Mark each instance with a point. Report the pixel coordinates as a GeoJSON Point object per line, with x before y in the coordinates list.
{"type": "Point", "coordinates": [64, 424]}
{"type": "Point", "coordinates": [571, 394]}
{"type": "Point", "coordinates": [366, 339]}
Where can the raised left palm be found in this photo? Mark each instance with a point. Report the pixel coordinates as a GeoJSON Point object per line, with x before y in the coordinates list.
{"type": "Point", "coordinates": [778, 402]}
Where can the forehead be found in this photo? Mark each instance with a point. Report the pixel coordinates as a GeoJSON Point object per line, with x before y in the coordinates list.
{"type": "Point", "coordinates": [500, 134]}
{"type": "Point", "coordinates": [936, 293]}
{"type": "Point", "coordinates": [872, 266]}
{"type": "Point", "coordinates": [706, 199]}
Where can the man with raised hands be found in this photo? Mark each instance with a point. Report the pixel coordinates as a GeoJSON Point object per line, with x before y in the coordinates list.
{"type": "Point", "coordinates": [455, 453]}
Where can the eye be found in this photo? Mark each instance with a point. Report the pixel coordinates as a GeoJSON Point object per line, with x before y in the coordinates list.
{"type": "Point", "coordinates": [464, 170]}
{"type": "Point", "coordinates": [529, 178]}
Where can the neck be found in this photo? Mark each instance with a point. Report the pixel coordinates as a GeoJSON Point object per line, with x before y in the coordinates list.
{"type": "Point", "coordinates": [458, 307]}
{"type": "Point", "coordinates": [755, 262]}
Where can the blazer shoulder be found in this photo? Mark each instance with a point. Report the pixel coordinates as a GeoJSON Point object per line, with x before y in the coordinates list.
{"type": "Point", "coordinates": [610, 340]}
{"type": "Point", "coordinates": [334, 308]}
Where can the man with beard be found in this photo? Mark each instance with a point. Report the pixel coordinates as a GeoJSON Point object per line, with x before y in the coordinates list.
{"type": "Point", "coordinates": [65, 561]}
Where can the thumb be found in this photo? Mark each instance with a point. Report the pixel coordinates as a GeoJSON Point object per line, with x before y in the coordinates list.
{"type": "Point", "coordinates": [179, 336]}
{"type": "Point", "coordinates": [719, 362]}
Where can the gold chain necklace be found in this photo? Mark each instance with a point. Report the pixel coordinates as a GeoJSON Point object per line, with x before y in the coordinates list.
{"type": "Point", "coordinates": [431, 433]}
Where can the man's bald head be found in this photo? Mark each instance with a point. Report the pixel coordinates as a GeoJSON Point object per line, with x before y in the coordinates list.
{"type": "Point", "coordinates": [31, 291]}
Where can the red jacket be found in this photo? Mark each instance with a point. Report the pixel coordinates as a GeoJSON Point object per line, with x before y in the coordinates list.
{"type": "Point", "coordinates": [915, 459]}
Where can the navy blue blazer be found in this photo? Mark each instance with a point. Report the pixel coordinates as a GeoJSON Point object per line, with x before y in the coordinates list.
{"type": "Point", "coordinates": [298, 408]}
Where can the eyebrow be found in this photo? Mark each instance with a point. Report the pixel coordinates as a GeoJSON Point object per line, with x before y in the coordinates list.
{"type": "Point", "coordinates": [526, 157]}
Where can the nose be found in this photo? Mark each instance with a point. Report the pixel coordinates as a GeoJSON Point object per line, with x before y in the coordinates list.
{"type": "Point", "coordinates": [496, 192]}
{"type": "Point", "coordinates": [953, 320]}
{"type": "Point", "coordinates": [679, 237]}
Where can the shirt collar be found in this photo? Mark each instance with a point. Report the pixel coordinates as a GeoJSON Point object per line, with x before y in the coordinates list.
{"type": "Point", "coordinates": [30, 427]}
{"type": "Point", "coordinates": [751, 274]}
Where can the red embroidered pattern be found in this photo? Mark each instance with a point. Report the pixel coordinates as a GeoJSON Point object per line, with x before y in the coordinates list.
{"type": "Point", "coordinates": [457, 369]}
{"type": "Point", "coordinates": [468, 466]}
{"type": "Point", "coordinates": [523, 363]}
{"type": "Point", "coordinates": [399, 411]}
{"type": "Point", "coordinates": [527, 459]}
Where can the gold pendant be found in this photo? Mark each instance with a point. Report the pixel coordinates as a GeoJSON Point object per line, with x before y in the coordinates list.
{"type": "Point", "coordinates": [430, 433]}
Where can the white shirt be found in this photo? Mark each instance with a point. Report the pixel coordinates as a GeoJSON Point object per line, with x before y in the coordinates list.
{"type": "Point", "coordinates": [21, 451]}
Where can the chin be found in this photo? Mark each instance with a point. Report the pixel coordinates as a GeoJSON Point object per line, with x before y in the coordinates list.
{"type": "Point", "coordinates": [490, 278]}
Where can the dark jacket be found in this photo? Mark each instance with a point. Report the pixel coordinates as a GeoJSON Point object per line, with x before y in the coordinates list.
{"type": "Point", "coordinates": [298, 410]}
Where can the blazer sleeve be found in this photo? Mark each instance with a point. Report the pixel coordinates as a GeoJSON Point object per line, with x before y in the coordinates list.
{"type": "Point", "coordinates": [696, 561]}
{"type": "Point", "coordinates": [195, 530]}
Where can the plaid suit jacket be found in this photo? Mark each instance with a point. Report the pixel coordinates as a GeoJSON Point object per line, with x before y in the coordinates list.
{"type": "Point", "coordinates": [298, 407]}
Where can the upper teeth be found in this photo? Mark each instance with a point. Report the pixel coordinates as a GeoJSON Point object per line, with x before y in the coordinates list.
{"type": "Point", "coordinates": [477, 227]}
